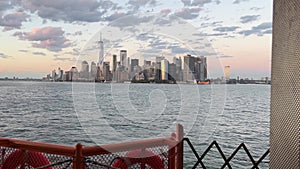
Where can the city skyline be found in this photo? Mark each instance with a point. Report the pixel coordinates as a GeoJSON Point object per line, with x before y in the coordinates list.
{"type": "Point", "coordinates": [238, 31]}
{"type": "Point", "coordinates": [188, 69]}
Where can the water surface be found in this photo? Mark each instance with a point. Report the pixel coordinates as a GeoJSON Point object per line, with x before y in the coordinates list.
{"type": "Point", "coordinates": [106, 113]}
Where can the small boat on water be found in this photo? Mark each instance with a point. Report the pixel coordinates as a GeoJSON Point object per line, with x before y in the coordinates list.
{"type": "Point", "coordinates": [206, 82]}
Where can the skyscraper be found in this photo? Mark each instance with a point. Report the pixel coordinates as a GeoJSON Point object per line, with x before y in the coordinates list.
{"type": "Point", "coordinates": [227, 72]}
{"type": "Point", "coordinates": [114, 63]}
{"type": "Point", "coordinates": [54, 74]}
{"type": "Point", "coordinates": [134, 62]}
{"type": "Point", "coordinates": [73, 74]}
{"type": "Point", "coordinates": [106, 72]}
{"type": "Point", "coordinates": [128, 64]}
{"type": "Point", "coordinates": [172, 72]}
{"type": "Point", "coordinates": [93, 70]}
{"type": "Point", "coordinates": [147, 63]}
{"type": "Point", "coordinates": [101, 52]}
{"type": "Point", "coordinates": [84, 73]}
{"type": "Point", "coordinates": [60, 74]}
{"type": "Point", "coordinates": [203, 69]}
{"type": "Point", "coordinates": [158, 68]}
{"type": "Point", "coordinates": [200, 73]}
{"type": "Point", "coordinates": [164, 69]}
{"type": "Point", "coordinates": [188, 68]}
{"type": "Point", "coordinates": [178, 63]}
{"type": "Point", "coordinates": [98, 75]}
{"type": "Point", "coordinates": [84, 66]}
{"type": "Point", "coordinates": [189, 63]}
{"type": "Point", "coordinates": [123, 58]}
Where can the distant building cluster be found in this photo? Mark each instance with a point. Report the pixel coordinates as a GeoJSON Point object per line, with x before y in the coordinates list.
{"type": "Point", "coordinates": [190, 69]}
{"type": "Point", "coordinates": [73, 74]}
{"type": "Point", "coordinates": [228, 80]}
{"type": "Point", "coordinates": [159, 71]}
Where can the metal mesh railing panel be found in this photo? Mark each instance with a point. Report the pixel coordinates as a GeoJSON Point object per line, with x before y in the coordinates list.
{"type": "Point", "coordinates": [33, 160]}
{"type": "Point", "coordinates": [102, 161]}
{"type": "Point", "coordinates": [59, 161]}
{"type": "Point", "coordinates": [108, 160]}
{"type": "Point", "coordinates": [239, 158]}
{"type": "Point", "coordinates": [41, 160]}
{"type": "Point", "coordinates": [4, 153]}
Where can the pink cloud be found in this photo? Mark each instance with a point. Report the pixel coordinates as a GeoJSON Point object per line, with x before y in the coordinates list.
{"type": "Point", "coordinates": [13, 20]}
{"type": "Point", "coordinates": [51, 38]}
{"type": "Point", "coordinates": [45, 33]}
{"type": "Point", "coordinates": [165, 11]}
{"type": "Point", "coordinates": [188, 13]}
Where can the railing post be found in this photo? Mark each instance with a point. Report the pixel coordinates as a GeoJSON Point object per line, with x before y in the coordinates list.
{"type": "Point", "coordinates": [143, 164]}
{"type": "Point", "coordinates": [179, 139]}
{"type": "Point", "coordinates": [78, 160]}
{"type": "Point", "coordinates": [24, 159]}
{"type": "Point", "coordinates": [172, 154]}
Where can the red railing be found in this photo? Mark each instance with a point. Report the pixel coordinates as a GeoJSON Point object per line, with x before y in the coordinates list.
{"type": "Point", "coordinates": [80, 157]}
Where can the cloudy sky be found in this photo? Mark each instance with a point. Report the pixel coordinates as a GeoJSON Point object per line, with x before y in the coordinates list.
{"type": "Point", "coordinates": [38, 36]}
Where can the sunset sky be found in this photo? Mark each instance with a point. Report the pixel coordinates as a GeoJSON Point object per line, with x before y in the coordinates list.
{"type": "Point", "coordinates": [38, 36]}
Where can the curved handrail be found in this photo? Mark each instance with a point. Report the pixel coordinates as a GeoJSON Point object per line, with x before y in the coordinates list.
{"type": "Point", "coordinates": [38, 146]}
{"type": "Point", "coordinates": [127, 146]}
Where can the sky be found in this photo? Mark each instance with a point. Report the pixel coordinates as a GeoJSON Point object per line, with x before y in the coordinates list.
{"type": "Point", "coordinates": [38, 36]}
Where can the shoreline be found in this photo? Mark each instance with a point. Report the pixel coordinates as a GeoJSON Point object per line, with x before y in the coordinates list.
{"type": "Point", "coordinates": [128, 82]}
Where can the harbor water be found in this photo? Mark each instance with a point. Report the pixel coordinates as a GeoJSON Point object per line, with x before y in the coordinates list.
{"type": "Point", "coordinates": [102, 113]}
